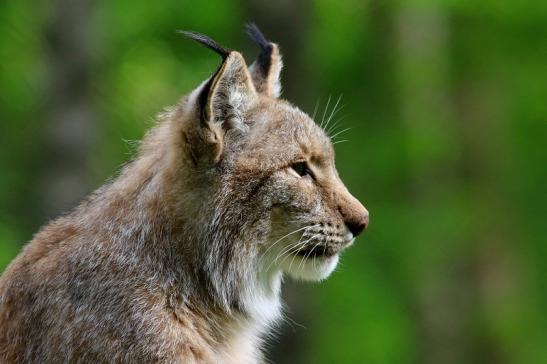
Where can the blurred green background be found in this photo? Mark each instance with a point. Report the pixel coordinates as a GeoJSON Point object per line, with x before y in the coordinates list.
{"type": "Point", "coordinates": [447, 105]}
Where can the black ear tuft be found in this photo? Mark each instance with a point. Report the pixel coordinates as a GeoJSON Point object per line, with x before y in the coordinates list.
{"type": "Point", "coordinates": [207, 42]}
{"type": "Point", "coordinates": [266, 69]}
{"type": "Point", "coordinates": [257, 36]}
{"type": "Point", "coordinates": [264, 59]}
{"type": "Point", "coordinates": [211, 44]}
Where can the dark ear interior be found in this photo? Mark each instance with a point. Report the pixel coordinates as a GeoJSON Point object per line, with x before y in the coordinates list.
{"type": "Point", "coordinates": [266, 69]}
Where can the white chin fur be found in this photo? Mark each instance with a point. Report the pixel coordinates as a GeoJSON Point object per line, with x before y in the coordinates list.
{"type": "Point", "coordinates": [311, 269]}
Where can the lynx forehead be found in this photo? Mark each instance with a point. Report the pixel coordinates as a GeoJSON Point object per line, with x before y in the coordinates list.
{"type": "Point", "coordinates": [180, 259]}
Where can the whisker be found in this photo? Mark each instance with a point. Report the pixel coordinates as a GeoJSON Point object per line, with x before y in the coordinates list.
{"type": "Point", "coordinates": [315, 109]}
{"type": "Point", "coordinates": [339, 132]}
{"type": "Point", "coordinates": [292, 261]}
{"type": "Point", "coordinates": [307, 255]}
{"type": "Point", "coordinates": [334, 111]}
{"type": "Point", "coordinates": [334, 125]}
{"type": "Point", "coordinates": [287, 248]}
{"type": "Point", "coordinates": [283, 237]}
{"type": "Point", "coordinates": [324, 251]}
{"type": "Point", "coordinates": [325, 112]}
{"type": "Point", "coordinates": [293, 251]}
{"type": "Point", "coordinates": [291, 247]}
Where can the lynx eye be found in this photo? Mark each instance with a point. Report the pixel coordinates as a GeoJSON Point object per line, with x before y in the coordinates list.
{"type": "Point", "coordinates": [301, 168]}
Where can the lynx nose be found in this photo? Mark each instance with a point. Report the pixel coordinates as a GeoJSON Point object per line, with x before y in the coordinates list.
{"type": "Point", "coordinates": [354, 214]}
{"type": "Point", "coordinates": [357, 225]}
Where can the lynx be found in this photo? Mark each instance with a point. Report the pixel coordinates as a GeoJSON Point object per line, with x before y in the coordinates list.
{"type": "Point", "coordinates": [180, 258]}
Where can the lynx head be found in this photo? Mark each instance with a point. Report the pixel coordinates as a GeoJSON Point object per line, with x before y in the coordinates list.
{"type": "Point", "coordinates": [263, 175]}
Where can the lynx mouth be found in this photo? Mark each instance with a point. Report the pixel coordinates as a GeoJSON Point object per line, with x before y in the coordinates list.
{"type": "Point", "coordinates": [316, 251]}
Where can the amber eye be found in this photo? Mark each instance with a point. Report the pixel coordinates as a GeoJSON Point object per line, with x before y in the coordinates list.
{"type": "Point", "coordinates": [302, 169]}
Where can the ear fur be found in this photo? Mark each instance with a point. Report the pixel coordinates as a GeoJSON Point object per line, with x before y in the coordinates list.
{"type": "Point", "coordinates": [230, 94]}
{"type": "Point", "coordinates": [266, 70]}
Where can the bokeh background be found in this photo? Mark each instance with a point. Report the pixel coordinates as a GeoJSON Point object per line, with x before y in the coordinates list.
{"type": "Point", "coordinates": [447, 105]}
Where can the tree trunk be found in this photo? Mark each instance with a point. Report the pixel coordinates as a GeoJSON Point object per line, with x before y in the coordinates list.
{"type": "Point", "coordinates": [69, 115]}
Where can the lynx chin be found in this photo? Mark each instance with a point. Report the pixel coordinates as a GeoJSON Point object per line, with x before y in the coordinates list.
{"type": "Point", "coordinates": [180, 258]}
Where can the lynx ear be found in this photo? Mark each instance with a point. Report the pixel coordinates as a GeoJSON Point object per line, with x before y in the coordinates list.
{"type": "Point", "coordinates": [223, 99]}
{"type": "Point", "coordinates": [265, 71]}
{"type": "Point", "coordinates": [230, 93]}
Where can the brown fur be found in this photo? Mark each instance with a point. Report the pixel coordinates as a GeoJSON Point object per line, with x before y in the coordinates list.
{"type": "Point", "coordinates": [179, 259]}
